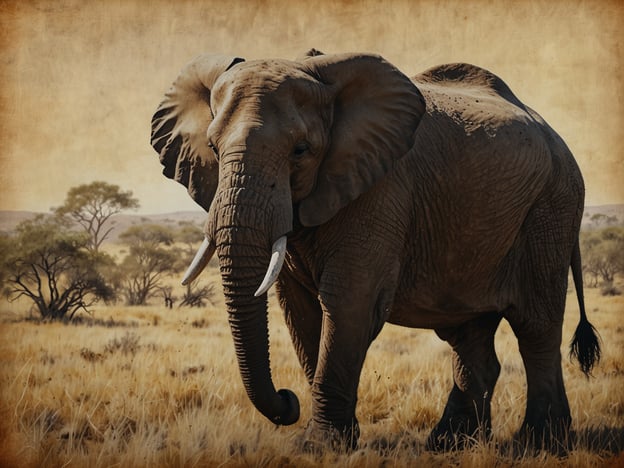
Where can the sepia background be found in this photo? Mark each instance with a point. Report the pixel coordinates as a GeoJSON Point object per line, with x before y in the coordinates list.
{"type": "Point", "coordinates": [157, 385]}
{"type": "Point", "coordinates": [79, 80]}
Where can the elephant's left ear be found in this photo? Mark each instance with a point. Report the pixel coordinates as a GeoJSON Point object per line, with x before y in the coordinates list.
{"type": "Point", "coordinates": [179, 127]}
{"type": "Point", "coordinates": [376, 110]}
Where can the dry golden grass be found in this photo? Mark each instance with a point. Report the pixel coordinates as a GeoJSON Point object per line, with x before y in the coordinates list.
{"type": "Point", "coordinates": [148, 386]}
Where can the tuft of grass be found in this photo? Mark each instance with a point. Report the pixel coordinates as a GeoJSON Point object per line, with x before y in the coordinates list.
{"type": "Point", "coordinates": [91, 356]}
{"type": "Point", "coordinates": [127, 344]}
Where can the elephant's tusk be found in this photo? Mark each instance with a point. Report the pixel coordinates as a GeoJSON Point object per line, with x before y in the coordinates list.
{"type": "Point", "coordinates": [202, 257]}
{"type": "Point", "coordinates": [278, 251]}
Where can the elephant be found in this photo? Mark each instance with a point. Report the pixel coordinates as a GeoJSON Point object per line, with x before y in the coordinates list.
{"type": "Point", "coordinates": [439, 201]}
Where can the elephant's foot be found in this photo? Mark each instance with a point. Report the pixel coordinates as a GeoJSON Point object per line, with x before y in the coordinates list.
{"type": "Point", "coordinates": [318, 438]}
{"type": "Point", "coordinates": [458, 432]}
{"type": "Point", "coordinates": [552, 435]}
{"type": "Point", "coordinates": [465, 421]}
{"type": "Point", "coordinates": [546, 425]}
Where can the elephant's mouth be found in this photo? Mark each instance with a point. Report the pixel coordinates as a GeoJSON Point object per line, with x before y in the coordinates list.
{"type": "Point", "coordinates": [207, 250]}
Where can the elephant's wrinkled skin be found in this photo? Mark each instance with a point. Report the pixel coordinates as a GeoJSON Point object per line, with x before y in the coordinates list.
{"type": "Point", "coordinates": [438, 202]}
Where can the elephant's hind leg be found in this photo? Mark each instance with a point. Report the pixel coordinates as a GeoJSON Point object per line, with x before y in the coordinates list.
{"type": "Point", "coordinates": [547, 419]}
{"type": "Point", "coordinates": [475, 371]}
{"type": "Point", "coordinates": [537, 320]}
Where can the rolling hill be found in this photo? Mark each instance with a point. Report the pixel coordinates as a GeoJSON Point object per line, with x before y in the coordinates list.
{"type": "Point", "coordinates": [10, 219]}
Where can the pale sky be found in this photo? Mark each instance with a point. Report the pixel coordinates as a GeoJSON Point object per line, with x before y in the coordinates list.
{"type": "Point", "coordinates": [79, 80]}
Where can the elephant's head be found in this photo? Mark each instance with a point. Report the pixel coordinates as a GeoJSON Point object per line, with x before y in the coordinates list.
{"type": "Point", "coordinates": [259, 142]}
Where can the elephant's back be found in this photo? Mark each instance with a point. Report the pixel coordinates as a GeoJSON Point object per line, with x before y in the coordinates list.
{"type": "Point", "coordinates": [472, 97]}
{"type": "Point", "coordinates": [469, 77]}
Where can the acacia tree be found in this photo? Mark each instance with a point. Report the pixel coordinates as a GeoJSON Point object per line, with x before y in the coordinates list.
{"type": "Point", "coordinates": [600, 220]}
{"type": "Point", "coordinates": [149, 260]}
{"type": "Point", "coordinates": [52, 267]}
{"type": "Point", "coordinates": [603, 254]}
{"type": "Point", "coordinates": [189, 234]}
{"type": "Point", "coordinates": [92, 205]}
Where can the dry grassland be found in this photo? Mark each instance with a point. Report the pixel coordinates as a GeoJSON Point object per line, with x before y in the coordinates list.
{"type": "Point", "coordinates": [148, 386]}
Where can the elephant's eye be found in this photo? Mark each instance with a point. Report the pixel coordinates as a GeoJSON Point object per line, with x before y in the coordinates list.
{"type": "Point", "coordinates": [301, 148]}
{"type": "Point", "coordinates": [214, 150]}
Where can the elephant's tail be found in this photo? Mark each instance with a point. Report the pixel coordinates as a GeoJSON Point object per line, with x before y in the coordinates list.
{"type": "Point", "coordinates": [585, 345]}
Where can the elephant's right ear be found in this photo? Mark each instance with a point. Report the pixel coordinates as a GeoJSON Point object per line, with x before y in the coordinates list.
{"type": "Point", "coordinates": [180, 123]}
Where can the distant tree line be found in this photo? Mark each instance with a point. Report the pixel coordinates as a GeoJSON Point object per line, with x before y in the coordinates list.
{"type": "Point", "coordinates": [600, 220]}
{"type": "Point", "coordinates": [56, 262]}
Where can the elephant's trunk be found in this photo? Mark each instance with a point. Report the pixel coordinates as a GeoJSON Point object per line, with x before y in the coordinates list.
{"type": "Point", "coordinates": [244, 227]}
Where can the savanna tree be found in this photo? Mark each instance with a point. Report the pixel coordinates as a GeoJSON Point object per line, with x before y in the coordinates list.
{"type": "Point", "coordinates": [189, 234]}
{"type": "Point", "coordinates": [149, 260]}
{"type": "Point", "coordinates": [603, 254]}
{"type": "Point", "coordinates": [52, 267]}
{"type": "Point", "coordinates": [601, 220]}
{"type": "Point", "coordinates": [92, 205]}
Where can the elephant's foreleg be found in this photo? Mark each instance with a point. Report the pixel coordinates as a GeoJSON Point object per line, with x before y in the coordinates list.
{"type": "Point", "coordinates": [303, 315]}
{"type": "Point", "coordinates": [475, 371]}
{"type": "Point", "coordinates": [334, 390]}
{"type": "Point", "coordinates": [351, 320]}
